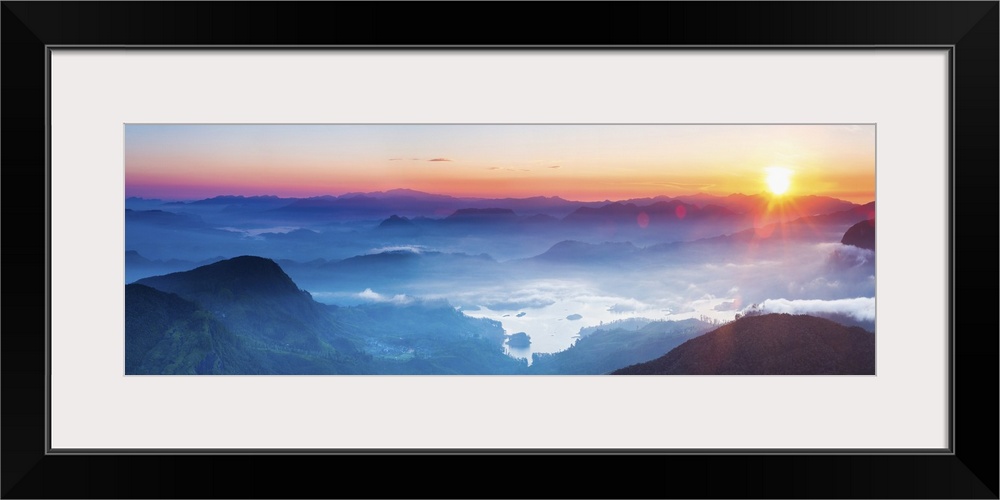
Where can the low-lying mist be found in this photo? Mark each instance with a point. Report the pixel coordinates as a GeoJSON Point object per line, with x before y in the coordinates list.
{"type": "Point", "coordinates": [538, 276]}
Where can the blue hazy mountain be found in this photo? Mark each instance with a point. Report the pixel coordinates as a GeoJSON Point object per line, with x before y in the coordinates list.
{"type": "Point", "coordinates": [164, 218]}
{"type": "Point", "coordinates": [409, 203]}
{"type": "Point", "coordinates": [392, 267]}
{"type": "Point", "coordinates": [398, 225]}
{"type": "Point", "coordinates": [337, 227]}
{"type": "Point", "coordinates": [660, 212]}
{"type": "Point", "coordinates": [239, 201]}
{"type": "Point", "coordinates": [823, 227]}
{"type": "Point", "coordinates": [577, 252]}
{"type": "Point", "coordinates": [769, 344]}
{"type": "Point", "coordinates": [482, 216]}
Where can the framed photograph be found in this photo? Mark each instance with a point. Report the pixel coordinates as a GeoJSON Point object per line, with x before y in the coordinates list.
{"type": "Point", "coordinates": [261, 243]}
{"type": "Point", "coordinates": [530, 249]}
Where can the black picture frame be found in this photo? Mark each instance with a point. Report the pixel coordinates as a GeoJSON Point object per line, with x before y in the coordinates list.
{"type": "Point", "coordinates": [970, 470]}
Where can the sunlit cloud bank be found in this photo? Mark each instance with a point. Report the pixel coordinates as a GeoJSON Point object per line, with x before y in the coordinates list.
{"type": "Point", "coordinates": [860, 308]}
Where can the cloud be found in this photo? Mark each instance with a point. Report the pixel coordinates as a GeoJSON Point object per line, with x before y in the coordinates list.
{"type": "Point", "coordinates": [527, 303]}
{"type": "Point", "coordinates": [398, 248]}
{"type": "Point", "coordinates": [373, 296]}
{"type": "Point", "coordinates": [622, 308]}
{"type": "Point", "coordinates": [844, 256]}
{"type": "Point", "coordinates": [534, 294]}
{"type": "Point", "coordinates": [554, 166]}
{"type": "Point", "coordinates": [439, 159]}
{"type": "Point", "coordinates": [323, 296]}
{"type": "Point", "coordinates": [859, 308]}
{"type": "Point", "coordinates": [726, 306]}
{"type": "Point", "coordinates": [395, 159]}
{"type": "Point", "coordinates": [493, 168]}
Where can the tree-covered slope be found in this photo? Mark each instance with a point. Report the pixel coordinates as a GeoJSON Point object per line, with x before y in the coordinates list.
{"type": "Point", "coordinates": [770, 344]}
{"type": "Point", "coordinates": [608, 349]}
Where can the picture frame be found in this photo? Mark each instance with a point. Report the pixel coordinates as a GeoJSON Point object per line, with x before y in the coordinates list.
{"type": "Point", "coordinates": [966, 470]}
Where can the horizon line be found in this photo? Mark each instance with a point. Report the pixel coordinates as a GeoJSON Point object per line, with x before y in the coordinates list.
{"type": "Point", "coordinates": [497, 197]}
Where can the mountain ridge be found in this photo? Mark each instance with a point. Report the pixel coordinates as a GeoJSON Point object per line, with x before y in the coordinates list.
{"type": "Point", "coordinates": [769, 344]}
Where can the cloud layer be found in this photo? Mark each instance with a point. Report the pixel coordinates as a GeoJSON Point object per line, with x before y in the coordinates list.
{"type": "Point", "coordinates": [859, 308]}
{"type": "Point", "coordinates": [373, 296]}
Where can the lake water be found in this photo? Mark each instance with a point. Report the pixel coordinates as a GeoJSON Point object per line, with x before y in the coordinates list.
{"type": "Point", "coordinates": [556, 327]}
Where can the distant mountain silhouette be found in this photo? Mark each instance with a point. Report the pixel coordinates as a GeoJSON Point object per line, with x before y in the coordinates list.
{"type": "Point", "coordinates": [799, 206]}
{"type": "Point", "coordinates": [814, 226]}
{"type": "Point", "coordinates": [861, 235]}
{"type": "Point", "coordinates": [480, 215]}
{"type": "Point", "coordinates": [540, 219]}
{"type": "Point", "coordinates": [660, 212]}
{"type": "Point", "coordinates": [848, 216]}
{"type": "Point", "coordinates": [570, 251]}
{"type": "Point", "coordinates": [394, 267]}
{"type": "Point", "coordinates": [396, 222]}
{"type": "Point", "coordinates": [770, 344]}
{"type": "Point", "coordinates": [163, 218]}
{"type": "Point", "coordinates": [238, 199]}
{"type": "Point", "coordinates": [657, 222]}
{"type": "Point", "coordinates": [408, 203]}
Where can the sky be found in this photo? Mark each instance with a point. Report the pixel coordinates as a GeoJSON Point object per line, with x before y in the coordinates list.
{"type": "Point", "coordinates": [577, 162]}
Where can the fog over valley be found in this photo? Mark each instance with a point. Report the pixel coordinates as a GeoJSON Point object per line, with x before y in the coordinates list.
{"type": "Point", "coordinates": [489, 249]}
{"type": "Point", "coordinates": [550, 270]}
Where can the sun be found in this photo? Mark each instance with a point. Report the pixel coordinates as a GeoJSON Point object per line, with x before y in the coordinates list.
{"type": "Point", "coordinates": [778, 179]}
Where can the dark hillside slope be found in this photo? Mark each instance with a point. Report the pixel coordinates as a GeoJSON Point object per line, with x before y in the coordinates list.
{"type": "Point", "coordinates": [771, 344]}
{"type": "Point", "coordinates": [861, 235]}
{"type": "Point", "coordinates": [165, 334]}
{"type": "Point", "coordinates": [254, 297]}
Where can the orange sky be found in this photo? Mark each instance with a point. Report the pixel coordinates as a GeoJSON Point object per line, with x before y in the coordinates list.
{"type": "Point", "coordinates": [581, 162]}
